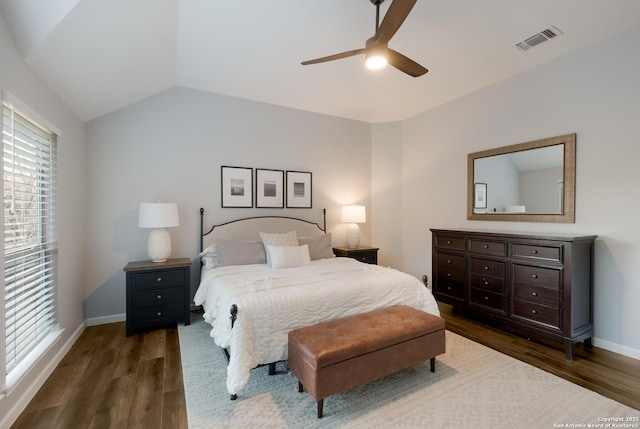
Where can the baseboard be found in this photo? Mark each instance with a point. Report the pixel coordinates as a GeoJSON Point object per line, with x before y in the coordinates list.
{"type": "Point", "coordinates": [93, 321]}
{"type": "Point", "coordinates": [29, 393]}
{"type": "Point", "coordinates": [617, 348]}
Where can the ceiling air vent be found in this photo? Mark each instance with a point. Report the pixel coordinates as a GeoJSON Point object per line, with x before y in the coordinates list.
{"type": "Point", "coordinates": [536, 39]}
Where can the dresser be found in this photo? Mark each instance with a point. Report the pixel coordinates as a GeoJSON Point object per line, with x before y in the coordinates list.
{"type": "Point", "coordinates": [361, 253]}
{"type": "Point", "coordinates": [537, 286]}
{"type": "Point", "coordinates": [157, 293]}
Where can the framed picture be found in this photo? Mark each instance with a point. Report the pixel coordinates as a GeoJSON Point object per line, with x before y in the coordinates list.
{"type": "Point", "coordinates": [237, 186]}
{"type": "Point", "coordinates": [269, 188]}
{"type": "Point", "coordinates": [480, 196]}
{"type": "Point", "coordinates": [298, 189]}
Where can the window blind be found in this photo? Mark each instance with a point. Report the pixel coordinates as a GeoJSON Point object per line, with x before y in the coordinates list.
{"type": "Point", "coordinates": [30, 237]}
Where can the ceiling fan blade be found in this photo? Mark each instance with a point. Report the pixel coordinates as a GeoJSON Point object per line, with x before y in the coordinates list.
{"type": "Point", "coordinates": [334, 57]}
{"type": "Point", "coordinates": [404, 64]}
{"type": "Point", "coordinates": [397, 13]}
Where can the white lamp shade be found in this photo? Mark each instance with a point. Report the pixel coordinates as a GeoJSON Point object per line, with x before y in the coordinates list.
{"type": "Point", "coordinates": [354, 214]}
{"type": "Point", "coordinates": [158, 215]}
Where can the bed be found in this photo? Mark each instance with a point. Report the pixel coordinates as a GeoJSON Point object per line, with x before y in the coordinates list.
{"type": "Point", "coordinates": [264, 276]}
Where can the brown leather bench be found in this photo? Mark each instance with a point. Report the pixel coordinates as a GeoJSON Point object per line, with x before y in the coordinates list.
{"type": "Point", "coordinates": [335, 356]}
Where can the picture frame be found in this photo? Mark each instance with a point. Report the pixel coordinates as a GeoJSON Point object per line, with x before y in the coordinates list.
{"type": "Point", "coordinates": [480, 196]}
{"type": "Point", "coordinates": [299, 189]}
{"type": "Point", "coordinates": [237, 186]}
{"type": "Point", "coordinates": [269, 188]}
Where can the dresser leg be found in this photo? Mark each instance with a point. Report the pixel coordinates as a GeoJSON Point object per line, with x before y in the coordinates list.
{"type": "Point", "coordinates": [568, 349]}
{"type": "Point", "coordinates": [588, 343]}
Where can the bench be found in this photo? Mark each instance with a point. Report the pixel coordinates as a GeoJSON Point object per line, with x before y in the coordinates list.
{"type": "Point", "coordinates": [338, 355]}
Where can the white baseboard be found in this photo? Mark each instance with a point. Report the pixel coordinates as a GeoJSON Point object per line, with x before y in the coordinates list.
{"type": "Point", "coordinates": [617, 348]}
{"type": "Point", "coordinates": [106, 319]}
{"type": "Point", "coordinates": [22, 402]}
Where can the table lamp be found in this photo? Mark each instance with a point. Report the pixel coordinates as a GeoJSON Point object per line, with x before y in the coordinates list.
{"type": "Point", "coordinates": [159, 217]}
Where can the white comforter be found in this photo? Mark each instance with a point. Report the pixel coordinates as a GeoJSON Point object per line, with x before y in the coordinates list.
{"type": "Point", "coordinates": [272, 302]}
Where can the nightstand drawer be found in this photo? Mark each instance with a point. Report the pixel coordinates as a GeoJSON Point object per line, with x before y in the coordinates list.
{"type": "Point", "coordinates": [368, 255]}
{"type": "Point", "coordinates": [156, 316]}
{"type": "Point", "coordinates": [154, 279]}
{"type": "Point", "coordinates": [156, 297]}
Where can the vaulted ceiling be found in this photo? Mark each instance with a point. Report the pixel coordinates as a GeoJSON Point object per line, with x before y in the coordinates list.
{"type": "Point", "coordinates": [101, 55]}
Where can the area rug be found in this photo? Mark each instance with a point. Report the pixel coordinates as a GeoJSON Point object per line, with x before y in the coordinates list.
{"type": "Point", "coordinates": [473, 387]}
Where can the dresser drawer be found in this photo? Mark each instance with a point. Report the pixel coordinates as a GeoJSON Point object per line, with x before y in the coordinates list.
{"type": "Point", "coordinates": [453, 290]}
{"type": "Point", "coordinates": [493, 284]}
{"type": "Point", "coordinates": [538, 252]}
{"type": "Point", "coordinates": [488, 268]}
{"type": "Point", "coordinates": [451, 262]}
{"type": "Point", "coordinates": [153, 316]}
{"type": "Point", "coordinates": [154, 279]}
{"type": "Point", "coordinates": [158, 297]}
{"type": "Point", "coordinates": [486, 247]}
{"type": "Point", "coordinates": [537, 295]}
{"type": "Point", "coordinates": [488, 299]}
{"type": "Point", "coordinates": [537, 276]}
{"type": "Point", "coordinates": [537, 313]}
{"type": "Point", "coordinates": [449, 243]}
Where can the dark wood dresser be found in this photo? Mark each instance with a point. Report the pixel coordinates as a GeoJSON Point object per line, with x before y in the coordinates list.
{"type": "Point", "coordinates": [535, 286]}
{"type": "Point", "coordinates": [157, 293]}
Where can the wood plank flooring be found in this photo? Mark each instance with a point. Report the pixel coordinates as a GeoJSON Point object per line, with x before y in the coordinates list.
{"type": "Point", "coordinates": [108, 380]}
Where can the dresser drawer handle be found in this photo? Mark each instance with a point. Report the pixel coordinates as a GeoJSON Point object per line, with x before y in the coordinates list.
{"type": "Point", "coordinates": [534, 312]}
{"type": "Point", "coordinates": [159, 313]}
{"type": "Point", "coordinates": [486, 298]}
{"type": "Point", "coordinates": [449, 261]}
{"type": "Point", "coordinates": [486, 268]}
{"type": "Point", "coordinates": [159, 279]}
{"type": "Point", "coordinates": [535, 276]}
{"type": "Point", "coordinates": [448, 287]}
{"type": "Point", "coordinates": [486, 246]}
{"type": "Point", "coordinates": [534, 294]}
{"type": "Point", "coordinates": [448, 241]}
{"type": "Point", "coordinates": [486, 283]}
{"type": "Point", "coordinates": [448, 274]}
{"type": "Point", "coordinates": [159, 296]}
{"type": "Point", "coordinates": [535, 252]}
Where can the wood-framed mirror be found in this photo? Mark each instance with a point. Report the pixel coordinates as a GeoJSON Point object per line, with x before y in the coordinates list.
{"type": "Point", "coordinates": [525, 182]}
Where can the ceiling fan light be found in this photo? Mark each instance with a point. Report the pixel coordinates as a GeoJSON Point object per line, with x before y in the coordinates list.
{"type": "Point", "coordinates": [376, 61]}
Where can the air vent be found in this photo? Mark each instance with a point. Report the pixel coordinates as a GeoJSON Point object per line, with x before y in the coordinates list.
{"type": "Point", "coordinates": [536, 39]}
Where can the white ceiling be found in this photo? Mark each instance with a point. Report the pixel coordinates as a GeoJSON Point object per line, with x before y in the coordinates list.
{"type": "Point", "coordinates": [101, 55]}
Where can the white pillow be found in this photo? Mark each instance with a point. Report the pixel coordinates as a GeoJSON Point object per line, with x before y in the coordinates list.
{"type": "Point", "coordinates": [273, 239]}
{"type": "Point", "coordinates": [289, 256]}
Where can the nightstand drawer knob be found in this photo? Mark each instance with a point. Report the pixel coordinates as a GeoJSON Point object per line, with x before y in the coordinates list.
{"type": "Point", "coordinates": [486, 246]}
{"type": "Point", "coordinates": [159, 296]}
{"type": "Point", "coordinates": [535, 276]}
{"type": "Point", "coordinates": [534, 294]}
{"type": "Point", "coordinates": [534, 312]}
{"type": "Point", "coordinates": [159, 279]}
{"type": "Point", "coordinates": [159, 313]}
{"type": "Point", "coordinates": [535, 252]}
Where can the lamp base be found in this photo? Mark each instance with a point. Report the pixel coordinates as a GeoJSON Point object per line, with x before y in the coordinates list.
{"type": "Point", "coordinates": [353, 235]}
{"type": "Point", "coordinates": [159, 245]}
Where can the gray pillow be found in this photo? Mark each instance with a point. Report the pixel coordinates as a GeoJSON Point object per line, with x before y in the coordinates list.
{"type": "Point", "coordinates": [319, 247]}
{"type": "Point", "coordinates": [230, 252]}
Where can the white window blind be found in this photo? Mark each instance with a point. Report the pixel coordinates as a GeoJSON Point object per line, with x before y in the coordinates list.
{"type": "Point", "coordinates": [30, 238]}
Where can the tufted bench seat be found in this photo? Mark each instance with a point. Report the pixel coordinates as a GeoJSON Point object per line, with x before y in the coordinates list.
{"type": "Point", "coordinates": [335, 356]}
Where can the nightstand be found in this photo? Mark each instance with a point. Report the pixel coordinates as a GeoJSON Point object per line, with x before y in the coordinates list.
{"type": "Point", "coordinates": [361, 253]}
{"type": "Point", "coordinates": [157, 293]}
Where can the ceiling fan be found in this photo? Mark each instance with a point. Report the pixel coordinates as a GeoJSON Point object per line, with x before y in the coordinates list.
{"type": "Point", "coordinates": [376, 50]}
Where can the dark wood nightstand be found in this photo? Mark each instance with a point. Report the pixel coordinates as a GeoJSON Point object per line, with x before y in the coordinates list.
{"type": "Point", "coordinates": [361, 253]}
{"type": "Point", "coordinates": [157, 293]}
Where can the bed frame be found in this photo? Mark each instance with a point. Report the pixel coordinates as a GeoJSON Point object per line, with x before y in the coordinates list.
{"type": "Point", "coordinates": [248, 228]}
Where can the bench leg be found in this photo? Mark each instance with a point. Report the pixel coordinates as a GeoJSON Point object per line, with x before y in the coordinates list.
{"type": "Point", "coordinates": [320, 404]}
{"type": "Point", "coordinates": [433, 364]}
{"type": "Point", "coordinates": [300, 387]}
{"type": "Point", "coordinates": [272, 368]}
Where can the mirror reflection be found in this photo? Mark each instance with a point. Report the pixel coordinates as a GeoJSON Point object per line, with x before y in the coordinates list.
{"type": "Point", "coordinates": [529, 181]}
{"type": "Point", "coordinates": [526, 182]}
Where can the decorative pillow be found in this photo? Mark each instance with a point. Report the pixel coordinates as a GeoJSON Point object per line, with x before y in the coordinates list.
{"type": "Point", "coordinates": [319, 247]}
{"type": "Point", "coordinates": [289, 256]}
{"type": "Point", "coordinates": [273, 239]}
{"type": "Point", "coordinates": [229, 252]}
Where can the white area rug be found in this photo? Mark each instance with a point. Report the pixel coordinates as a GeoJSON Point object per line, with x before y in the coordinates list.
{"type": "Point", "coordinates": [473, 387]}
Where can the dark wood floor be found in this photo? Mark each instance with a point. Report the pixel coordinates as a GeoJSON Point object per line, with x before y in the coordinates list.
{"type": "Point", "coordinates": [108, 380]}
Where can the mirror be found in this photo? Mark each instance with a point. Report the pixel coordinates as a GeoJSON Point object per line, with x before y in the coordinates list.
{"type": "Point", "coordinates": [526, 182]}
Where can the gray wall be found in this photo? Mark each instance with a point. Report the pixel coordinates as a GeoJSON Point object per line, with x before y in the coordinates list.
{"type": "Point", "coordinates": [170, 147]}
{"type": "Point", "coordinates": [594, 93]}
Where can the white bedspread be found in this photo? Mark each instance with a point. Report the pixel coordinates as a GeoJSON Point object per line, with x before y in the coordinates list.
{"type": "Point", "coordinates": [272, 302]}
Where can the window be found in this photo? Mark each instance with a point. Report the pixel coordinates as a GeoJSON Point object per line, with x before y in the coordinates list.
{"type": "Point", "coordinates": [30, 238]}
